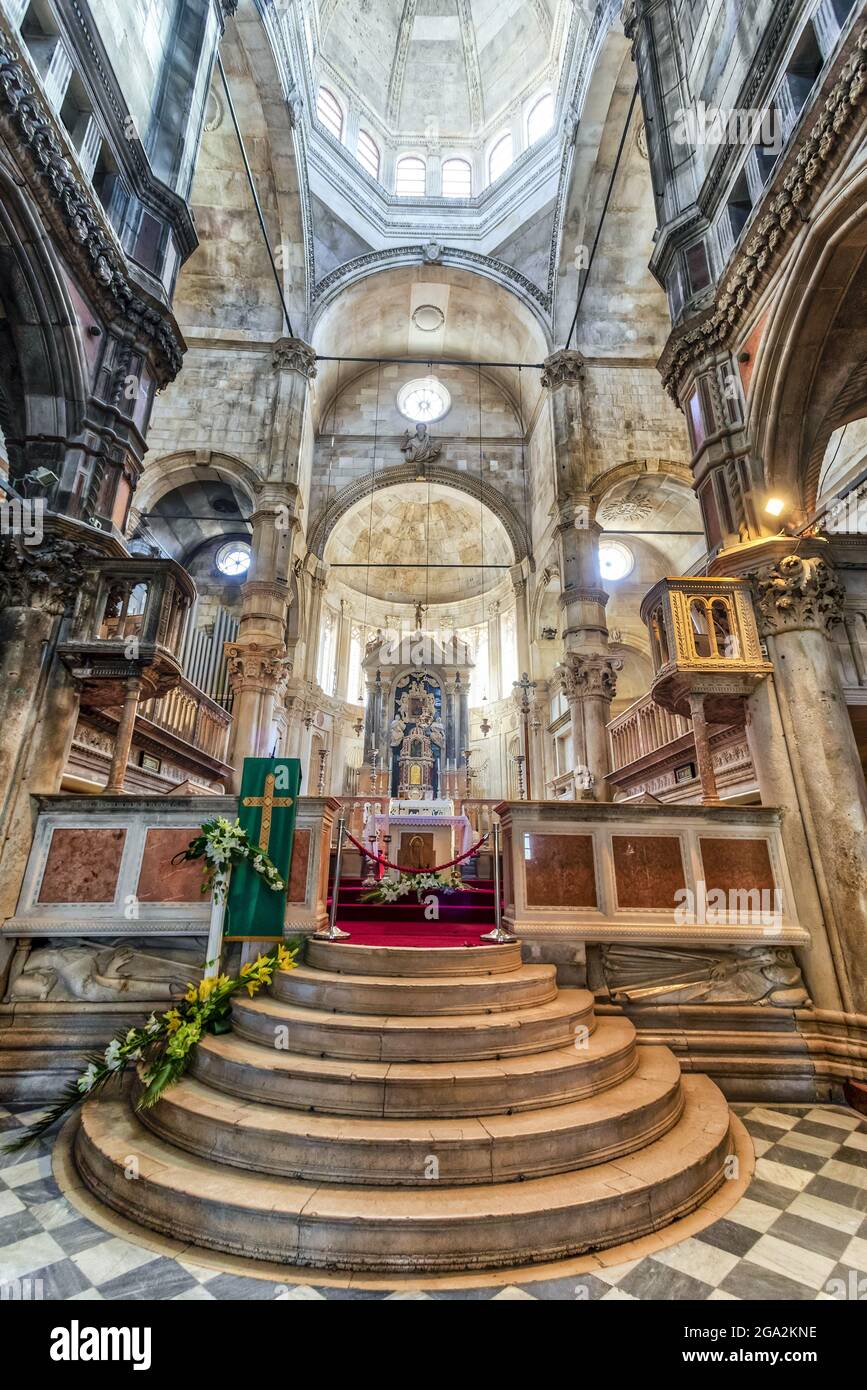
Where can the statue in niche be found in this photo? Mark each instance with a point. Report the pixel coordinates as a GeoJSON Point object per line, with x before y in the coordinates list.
{"type": "Point", "coordinates": [418, 447]}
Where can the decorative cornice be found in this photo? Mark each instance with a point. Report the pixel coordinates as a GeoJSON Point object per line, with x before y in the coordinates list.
{"type": "Point", "coordinates": [800, 592]}
{"type": "Point", "coordinates": [398, 65]}
{"type": "Point", "coordinates": [49, 576]}
{"type": "Point", "coordinates": [789, 201]}
{"type": "Point", "coordinates": [74, 213]}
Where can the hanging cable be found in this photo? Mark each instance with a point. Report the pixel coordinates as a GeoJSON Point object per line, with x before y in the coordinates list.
{"type": "Point", "coordinates": [620, 149]}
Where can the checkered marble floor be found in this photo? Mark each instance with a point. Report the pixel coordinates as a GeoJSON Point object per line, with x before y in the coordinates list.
{"type": "Point", "coordinates": [799, 1232]}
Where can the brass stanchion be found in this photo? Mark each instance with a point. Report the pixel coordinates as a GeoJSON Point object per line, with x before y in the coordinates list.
{"type": "Point", "coordinates": [333, 932]}
{"type": "Point", "coordinates": [499, 935]}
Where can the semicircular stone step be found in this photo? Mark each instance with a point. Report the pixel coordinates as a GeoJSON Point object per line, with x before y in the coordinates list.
{"type": "Point", "coordinates": [343, 958]}
{"type": "Point", "coordinates": [418, 1089]}
{"type": "Point", "coordinates": [498, 1148]}
{"type": "Point", "coordinates": [377, 1038]}
{"type": "Point", "coordinates": [406, 1230]}
{"type": "Point", "coordinates": [448, 994]}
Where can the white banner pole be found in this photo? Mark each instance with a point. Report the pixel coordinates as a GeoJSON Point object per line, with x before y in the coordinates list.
{"type": "Point", "coordinates": [218, 922]}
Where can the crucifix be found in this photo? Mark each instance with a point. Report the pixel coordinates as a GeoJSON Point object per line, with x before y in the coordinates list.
{"type": "Point", "coordinates": [267, 801]}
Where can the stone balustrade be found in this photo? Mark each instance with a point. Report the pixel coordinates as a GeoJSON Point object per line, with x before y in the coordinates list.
{"type": "Point", "coordinates": [643, 729]}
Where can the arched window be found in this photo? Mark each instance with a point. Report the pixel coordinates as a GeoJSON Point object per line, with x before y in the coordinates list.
{"type": "Point", "coordinates": [500, 157]}
{"type": "Point", "coordinates": [457, 179]}
{"type": "Point", "coordinates": [368, 154]}
{"type": "Point", "coordinates": [701, 641]}
{"type": "Point", "coordinates": [411, 177]}
{"type": "Point", "coordinates": [726, 640]}
{"type": "Point", "coordinates": [540, 119]}
{"type": "Point", "coordinates": [330, 113]}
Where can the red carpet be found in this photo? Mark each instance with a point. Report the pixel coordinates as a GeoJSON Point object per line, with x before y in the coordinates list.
{"type": "Point", "coordinates": [464, 918]}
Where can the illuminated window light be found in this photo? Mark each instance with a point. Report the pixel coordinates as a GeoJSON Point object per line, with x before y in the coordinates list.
{"type": "Point", "coordinates": [775, 506]}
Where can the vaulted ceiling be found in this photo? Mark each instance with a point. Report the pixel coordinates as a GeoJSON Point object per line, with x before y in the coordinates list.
{"type": "Point", "coordinates": [441, 68]}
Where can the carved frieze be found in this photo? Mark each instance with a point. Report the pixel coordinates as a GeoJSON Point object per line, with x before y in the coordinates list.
{"type": "Point", "coordinates": [799, 592]}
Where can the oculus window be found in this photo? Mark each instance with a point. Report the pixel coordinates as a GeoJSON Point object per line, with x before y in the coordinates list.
{"type": "Point", "coordinates": [424, 401]}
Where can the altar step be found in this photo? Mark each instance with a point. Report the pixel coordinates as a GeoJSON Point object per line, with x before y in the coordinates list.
{"type": "Point", "coordinates": [471, 1126]}
{"type": "Point", "coordinates": [380, 1038]}
{"type": "Point", "coordinates": [523, 987]}
{"type": "Point", "coordinates": [496, 1148]}
{"type": "Point", "coordinates": [413, 1090]}
{"type": "Point", "coordinates": [399, 1229]}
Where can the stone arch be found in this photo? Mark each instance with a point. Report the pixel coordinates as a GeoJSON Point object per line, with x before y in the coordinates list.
{"type": "Point", "coordinates": [172, 471]}
{"type": "Point", "coordinates": [640, 468]}
{"type": "Point", "coordinates": [811, 370]}
{"type": "Point", "coordinates": [43, 373]}
{"type": "Point", "coordinates": [406, 473]}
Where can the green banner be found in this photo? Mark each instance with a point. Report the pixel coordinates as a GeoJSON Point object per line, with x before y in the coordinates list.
{"type": "Point", "coordinates": [267, 808]}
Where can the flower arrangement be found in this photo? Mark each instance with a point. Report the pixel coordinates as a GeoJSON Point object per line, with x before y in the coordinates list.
{"type": "Point", "coordinates": [164, 1046]}
{"type": "Point", "coordinates": [222, 844]}
{"type": "Point", "coordinates": [388, 890]}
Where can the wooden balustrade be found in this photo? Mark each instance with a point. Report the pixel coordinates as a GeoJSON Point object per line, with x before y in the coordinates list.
{"type": "Point", "coordinates": [643, 729]}
{"type": "Point", "coordinates": [188, 714]}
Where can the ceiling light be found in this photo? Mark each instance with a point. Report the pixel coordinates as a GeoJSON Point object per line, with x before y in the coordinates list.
{"type": "Point", "coordinates": [775, 506]}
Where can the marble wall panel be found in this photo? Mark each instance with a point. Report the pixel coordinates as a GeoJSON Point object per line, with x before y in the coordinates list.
{"type": "Point", "coordinates": [648, 870]}
{"type": "Point", "coordinates": [559, 871]}
{"type": "Point", "coordinates": [161, 881]}
{"type": "Point", "coordinates": [82, 865]}
{"type": "Point", "coordinates": [731, 864]}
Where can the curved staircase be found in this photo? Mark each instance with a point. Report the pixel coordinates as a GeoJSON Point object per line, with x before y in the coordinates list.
{"type": "Point", "coordinates": [414, 1110]}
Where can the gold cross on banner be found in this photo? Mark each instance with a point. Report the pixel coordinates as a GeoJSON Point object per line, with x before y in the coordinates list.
{"type": "Point", "coordinates": [267, 801]}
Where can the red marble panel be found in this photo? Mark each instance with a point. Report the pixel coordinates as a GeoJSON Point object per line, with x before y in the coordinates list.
{"type": "Point", "coordinates": [559, 870]}
{"type": "Point", "coordinates": [298, 868]}
{"type": "Point", "coordinates": [161, 881]}
{"type": "Point", "coordinates": [648, 870]}
{"type": "Point", "coordinates": [733, 865]}
{"type": "Point", "coordinates": [82, 865]}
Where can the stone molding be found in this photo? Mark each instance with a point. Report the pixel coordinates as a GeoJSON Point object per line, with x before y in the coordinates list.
{"type": "Point", "coordinates": [72, 210]}
{"type": "Point", "coordinates": [800, 592]}
{"type": "Point", "coordinates": [808, 168]}
{"type": "Point", "coordinates": [294, 355]}
{"type": "Point", "coordinates": [589, 676]}
{"type": "Point", "coordinates": [565, 367]}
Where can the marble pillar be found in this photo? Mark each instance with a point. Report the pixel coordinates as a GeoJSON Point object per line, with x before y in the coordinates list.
{"type": "Point", "coordinates": [588, 674]}
{"type": "Point", "coordinates": [799, 600]}
{"type": "Point", "coordinates": [258, 660]}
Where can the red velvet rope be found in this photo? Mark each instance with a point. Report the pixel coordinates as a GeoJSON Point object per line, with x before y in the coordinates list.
{"type": "Point", "coordinates": [378, 859]}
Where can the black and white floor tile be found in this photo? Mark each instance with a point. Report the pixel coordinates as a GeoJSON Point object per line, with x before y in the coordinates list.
{"type": "Point", "coordinates": [799, 1233]}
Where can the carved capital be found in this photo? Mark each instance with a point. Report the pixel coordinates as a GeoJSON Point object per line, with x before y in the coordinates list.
{"type": "Point", "coordinates": [797, 593]}
{"type": "Point", "coordinates": [592, 676]}
{"type": "Point", "coordinates": [563, 368]}
{"type": "Point", "coordinates": [252, 666]}
{"type": "Point", "coordinates": [294, 355]}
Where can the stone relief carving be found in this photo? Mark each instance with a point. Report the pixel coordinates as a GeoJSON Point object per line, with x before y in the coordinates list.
{"type": "Point", "coordinates": [252, 663]}
{"type": "Point", "coordinates": [665, 975]}
{"type": "Point", "coordinates": [294, 355]}
{"type": "Point", "coordinates": [639, 506]}
{"type": "Point", "coordinates": [799, 592]}
{"type": "Point", "coordinates": [418, 446]}
{"type": "Point", "coordinates": [107, 972]}
{"type": "Point", "coordinates": [47, 576]}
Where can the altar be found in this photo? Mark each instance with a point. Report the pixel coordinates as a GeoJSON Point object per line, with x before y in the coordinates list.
{"type": "Point", "coordinates": [422, 833]}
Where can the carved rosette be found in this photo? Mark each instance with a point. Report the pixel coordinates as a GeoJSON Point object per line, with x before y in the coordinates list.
{"type": "Point", "coordinates": [48, 576]}
{"type": "Point", "coordinates": [294, 355]}
{"type": "Point", "coordinates": [800, 592]}
{"type": "Point", "coordinates": [563, 368]}
{"type": "Point", "coordinates": [589, 677]}
{"type": "Point", "coordinates": [253, 666]}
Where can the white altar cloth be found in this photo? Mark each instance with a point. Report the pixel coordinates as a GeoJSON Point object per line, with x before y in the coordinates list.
{"type": "Point", "coordinates": [461, 830]}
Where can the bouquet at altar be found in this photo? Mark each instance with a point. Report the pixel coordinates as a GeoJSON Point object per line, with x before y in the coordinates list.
{"type": "Point", "coordinates": [389, 890]}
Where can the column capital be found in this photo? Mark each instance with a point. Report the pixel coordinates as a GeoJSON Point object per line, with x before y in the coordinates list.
{"type": "Point", "coordinates": [589, 675]}
{"type": "Point", "coordinates": [294, 355]}
{"type": "Point", "coordinates": [799, 592]}
{"type": "Point", "coordinates": [565, 367]}
{"type": "Point", "coordinates": [255, 666]}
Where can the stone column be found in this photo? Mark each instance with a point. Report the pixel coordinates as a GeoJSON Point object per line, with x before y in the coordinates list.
{"type": "Point", "coordinates": [522, 616]}
{"type": "Point", "coordinates": [589, 671]}
{"type": "Point", "coordinates": [799, 600]}
{"type": "Point", "coordinates": [494, 651]}
{"type": "Point", "coordinates": [318, 585]}
{"type": "Point", "coordinates": [344, 638]}
{"type": "Point", "coordinates": [123, 739]}
{"type": "Point", "coordinates": [709, 792]}
{"type": "Point", "coordinates": [257, 659]}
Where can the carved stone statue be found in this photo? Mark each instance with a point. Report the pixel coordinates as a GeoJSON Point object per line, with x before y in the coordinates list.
{"type": "Point", "coordinates": [417, 446]}
{"type": "Point", "coordinates": [108, 972]}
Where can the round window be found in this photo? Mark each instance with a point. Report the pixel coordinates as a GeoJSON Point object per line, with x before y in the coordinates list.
{"type": "Point", "coordinates": [234, 558]}
{"type": "Point", "coordinates": [616, 560]}
{"type": "Point", "coordinates": [423, 401]}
